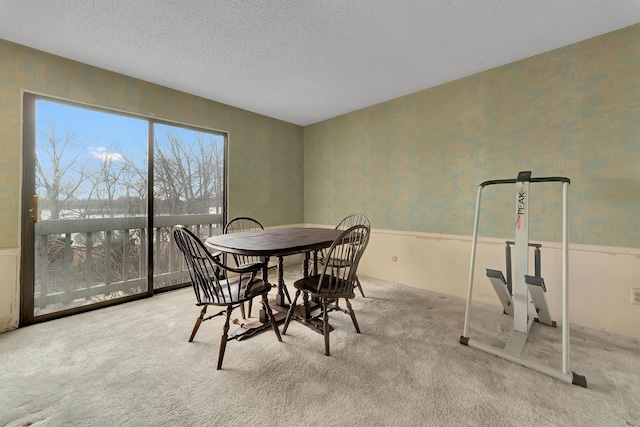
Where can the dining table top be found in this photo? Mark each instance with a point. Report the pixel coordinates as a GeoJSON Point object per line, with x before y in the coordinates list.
{"type": "Point", "coordinates": [274, 241]}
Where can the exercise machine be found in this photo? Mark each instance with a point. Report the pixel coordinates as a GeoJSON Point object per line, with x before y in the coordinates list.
{"type": "Point", "coordinates": [514, 292]}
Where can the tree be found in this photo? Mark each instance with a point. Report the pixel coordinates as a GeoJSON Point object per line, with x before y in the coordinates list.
{"type": "Point", "coordinates": [187, 177]}
{"type": "Point", "coordinates": [52, 169]}
{"type": "Point", "coordinates": [118, 187]}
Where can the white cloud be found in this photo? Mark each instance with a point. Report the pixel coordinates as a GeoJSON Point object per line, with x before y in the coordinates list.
{"type": "Point", "coordinates": [104, 155]}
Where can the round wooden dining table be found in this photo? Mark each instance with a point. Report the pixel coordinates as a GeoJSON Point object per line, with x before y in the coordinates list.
{"type": "Point", "coordinates": [274, 242]}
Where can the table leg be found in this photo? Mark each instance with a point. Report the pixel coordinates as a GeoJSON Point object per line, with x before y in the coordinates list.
{"type": "Point", "coordinates": [306, 310]}
{"type": "Point", "coordinates": [281, 286]}
{"type": "Point", "coordinates": [265, 278]}
{"type": "Point", "coordinates": [247, 330]}
{"type": "Point", "coordinates": [315, 262]}
{"type": "Point", "coordinates": [305, 265]}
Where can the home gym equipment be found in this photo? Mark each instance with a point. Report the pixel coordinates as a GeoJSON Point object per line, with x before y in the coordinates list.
{"type": "Point", "coordinates": [514, 293]}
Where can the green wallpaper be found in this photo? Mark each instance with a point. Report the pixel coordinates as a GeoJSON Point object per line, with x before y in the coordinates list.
{"type": "Point", "coordinates": [410, 164]}
{"type": "Point", "coordinates": [265, 155]}
{"type": "Point", "coordinates": [414, 163]}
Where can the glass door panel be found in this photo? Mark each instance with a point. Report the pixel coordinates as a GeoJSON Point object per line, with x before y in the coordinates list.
{"type": "Point", "coordinates": [90, 204]}
{"type": "Point", "coordinates": [188, 184]}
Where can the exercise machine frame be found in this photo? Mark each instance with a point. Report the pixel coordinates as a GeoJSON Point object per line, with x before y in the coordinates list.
{"type": "Point", "coordinates": [524, 284]}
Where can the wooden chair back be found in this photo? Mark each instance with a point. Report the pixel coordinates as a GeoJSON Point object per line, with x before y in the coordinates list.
{"type": "Point", "coordinates": [353, 219]}
{"type": "Point", "coordinates": [209, 276]}
{"type": "Point", "coordinates": [338, 277]}
{"type": "Point", "coordinates": [239, 225]}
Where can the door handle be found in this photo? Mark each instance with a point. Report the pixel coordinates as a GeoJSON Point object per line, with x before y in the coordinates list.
{"type": "Point", "coordinates": [34, 209]}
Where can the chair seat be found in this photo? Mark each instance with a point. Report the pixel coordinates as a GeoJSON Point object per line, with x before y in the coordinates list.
{"type": "Point", "coordinates": [231, 294]}
{"type": "Point", "coordinates": [310, 286]}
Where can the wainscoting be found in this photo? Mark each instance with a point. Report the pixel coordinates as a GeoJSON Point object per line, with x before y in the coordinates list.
{"type": "Point", "coordinates": [600, 277]}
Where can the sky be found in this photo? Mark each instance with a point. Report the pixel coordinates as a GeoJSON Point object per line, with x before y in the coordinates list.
{"type": "Point", "coordinates": [100, 136]}
{"type": "Point", "coordinates": [97, 133]}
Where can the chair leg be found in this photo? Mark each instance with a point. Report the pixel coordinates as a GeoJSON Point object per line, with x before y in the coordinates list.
{"type": "Point", "coordinates": [325, 326]}
{"type": "Point", "coordinates": [272, 318]}
{"type": "Point", "coordinates": [286, 293]}
{"type": "Point", "coordinates": [353, 316]}
{"type": "Point", "coordinates": [249, 310]}
{"type": "Point", "coordinates": [242, 311]}
{"type": "Point", "coordinates": [198, 322]}
{"type": "Point", "coordinates": [290, 312]}
{"type": "Point", "coordinates": [359, 287]}
{"type": "Point", "coordinates": [223, 339]}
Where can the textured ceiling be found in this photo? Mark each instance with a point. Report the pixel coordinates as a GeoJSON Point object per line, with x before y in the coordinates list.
{"type": "Point", "coordinates": [304, 61]}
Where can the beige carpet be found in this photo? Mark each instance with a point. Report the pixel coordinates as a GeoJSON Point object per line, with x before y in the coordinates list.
{"type": "Point", "coordinates": [131, 365]}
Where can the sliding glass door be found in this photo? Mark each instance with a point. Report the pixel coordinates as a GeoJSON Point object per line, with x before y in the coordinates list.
{"type": "Point", "coordinates": [91, 236]}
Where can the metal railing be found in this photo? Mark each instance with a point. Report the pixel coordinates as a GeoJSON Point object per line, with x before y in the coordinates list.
{"type": "Point", "coordinates": [80, 261]}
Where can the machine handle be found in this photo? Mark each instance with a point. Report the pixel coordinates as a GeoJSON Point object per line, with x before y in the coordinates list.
{"type": "Point", "coordinates": [513, 181]}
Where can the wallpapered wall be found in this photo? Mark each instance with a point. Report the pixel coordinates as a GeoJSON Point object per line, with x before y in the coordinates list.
{"type": "Point", "coordinates": [270, 189]}
{"type": "Point", "coordinates": [414, 163]}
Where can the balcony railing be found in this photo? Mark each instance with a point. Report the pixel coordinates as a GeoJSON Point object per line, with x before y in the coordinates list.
{"type": "Point", "coordinates": [81, 261]}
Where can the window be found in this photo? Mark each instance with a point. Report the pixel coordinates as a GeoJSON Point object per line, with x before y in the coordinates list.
{"type": "Point", "coordinates": [89, 225]}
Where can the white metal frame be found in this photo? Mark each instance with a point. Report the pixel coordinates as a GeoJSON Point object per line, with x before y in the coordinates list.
{"type": "Point", "coordinates": [522, 322]}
